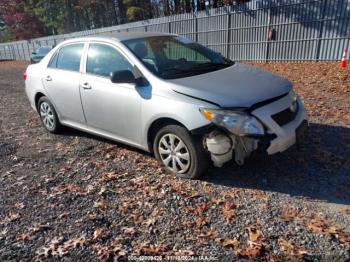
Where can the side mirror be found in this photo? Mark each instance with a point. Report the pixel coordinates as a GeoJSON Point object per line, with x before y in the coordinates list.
{"type": "Point", "coordinates": [123, 76]}
{"type": "Point", "coordinates": [33, 53]}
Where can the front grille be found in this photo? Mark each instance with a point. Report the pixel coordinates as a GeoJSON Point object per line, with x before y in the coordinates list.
{"type": "Point", "coordinates": [286, 116]}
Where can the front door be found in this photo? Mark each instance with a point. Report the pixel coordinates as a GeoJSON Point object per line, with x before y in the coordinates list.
{"type": "Point", "coordinates": [113, 109]}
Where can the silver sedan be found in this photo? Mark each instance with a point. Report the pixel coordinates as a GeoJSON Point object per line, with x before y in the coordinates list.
{"type": "Point", "coordinates": [168, 95]}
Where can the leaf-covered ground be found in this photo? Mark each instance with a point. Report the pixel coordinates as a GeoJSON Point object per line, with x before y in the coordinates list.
{"type": "Point", "coordinates": [77, 196]}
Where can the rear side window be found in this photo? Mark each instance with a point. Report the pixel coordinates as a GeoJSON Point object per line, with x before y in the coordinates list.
{"type": "Point", "coordinates": [53, 62]}
{"type": "Point", "coordinates": [68, 58]}
{"type": "Point", "coordinates": [103, 60]}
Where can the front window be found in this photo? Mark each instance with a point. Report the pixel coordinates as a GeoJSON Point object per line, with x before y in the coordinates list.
{"type": "Point", "coordinates": [171, 57]}
{"type": "Point", "coordinates": [102, 60]}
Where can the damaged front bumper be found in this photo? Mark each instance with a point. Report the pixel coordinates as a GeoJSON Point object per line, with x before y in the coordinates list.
{"type": "Point", "coordinates": [224, 146]}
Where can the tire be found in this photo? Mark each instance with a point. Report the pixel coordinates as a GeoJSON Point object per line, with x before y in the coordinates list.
{"type": "Point", "coordinates": [191, 159]}
{"type": "Point", "coordinates": [48, 115]}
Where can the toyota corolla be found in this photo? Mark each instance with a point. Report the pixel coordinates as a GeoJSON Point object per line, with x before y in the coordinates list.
{"type": "Point", "coordinates": [163, 93]}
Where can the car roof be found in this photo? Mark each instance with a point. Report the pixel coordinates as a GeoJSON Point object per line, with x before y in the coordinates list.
{"type": "Point", "coordinates": [132, 35]}
{"type": "Point", "coordinates": [118, 36]}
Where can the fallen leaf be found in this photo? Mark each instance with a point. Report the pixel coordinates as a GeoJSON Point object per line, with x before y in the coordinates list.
{"type": "Point", "coordinates": [233, 243]}
{"type": "Point", "coordinates": [98, 233]}
{"type": "Point", "coordinates": [11, 218]}
{"type": "Point", "coordinates": [254, 234]}
{"type": "Point", "coordinates": [210, 233]}
{"type": "Point", "coordinates": [149, 222]}
{"type": "Point", "coordinates": [19, 205]}
{"type": "Point", "coordinates": [285, 246]}
{"type": "Point", "coordinates": [23, 236]}
{"type": "Point", "coordinates": [249, 252]}
{"type": "Point", "coordinates": [228, 210]}
{"type": "Point", "coordinates": [3, 232]}
{"type": "Point", "coordinates": [150, 249]}
{"type": "Point", "coordinates": [184, 253]}
{"type": "Point", "coordinates": [201, 221]}
{"type": "Point", "coordinates": [101, 204]}
{"type": "Point", "coordinates": [74, 243]}
{"type": "Point", "coordinates": [129, 230]}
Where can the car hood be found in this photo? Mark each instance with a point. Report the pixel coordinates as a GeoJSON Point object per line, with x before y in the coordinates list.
{"type": "Point", "coordinates": [236, 86]}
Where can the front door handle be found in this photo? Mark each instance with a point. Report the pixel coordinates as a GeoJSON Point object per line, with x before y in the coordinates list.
{"type": "Point", "coordinates": [86, 86]}
{"type": "Point", "coordinates": [48, 78]}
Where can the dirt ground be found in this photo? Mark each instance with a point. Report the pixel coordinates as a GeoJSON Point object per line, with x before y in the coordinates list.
{"type": "Point", "coordinates": [80, 197]}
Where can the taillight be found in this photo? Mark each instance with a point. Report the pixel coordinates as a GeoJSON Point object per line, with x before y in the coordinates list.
{"type": "Point", "coordinates": [24, 76]}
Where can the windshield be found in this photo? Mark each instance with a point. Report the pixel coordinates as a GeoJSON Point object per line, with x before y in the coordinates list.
{"type": "Point", "coordinates": [171, 57]}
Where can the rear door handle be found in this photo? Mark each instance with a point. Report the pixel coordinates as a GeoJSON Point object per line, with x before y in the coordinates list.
{"type": "Point", "coordinates": [86, 86]}
{"type": "Point", "coordinates": [48, 78]}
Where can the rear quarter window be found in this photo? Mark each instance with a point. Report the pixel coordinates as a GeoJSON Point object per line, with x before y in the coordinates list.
{"type": "Point", "coordinates": [53, 62]}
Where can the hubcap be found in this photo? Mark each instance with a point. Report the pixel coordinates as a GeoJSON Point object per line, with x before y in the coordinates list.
{"type": "Point", "coordinates": [47, 116]}
{"type": "Point", "coordinates": [174, 153]}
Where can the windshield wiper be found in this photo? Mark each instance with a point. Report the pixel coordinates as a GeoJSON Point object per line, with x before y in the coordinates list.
{"type": "Point", "coordinates": [171, 70]}
{"type": "Point", "coordinates": [208, 66]}
{"type": "Point", "coordinates": [193, 70]}
{"type": "Point", "coordinates": [174, 71]}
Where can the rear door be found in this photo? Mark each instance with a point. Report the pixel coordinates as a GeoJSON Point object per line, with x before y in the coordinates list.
{"type": "Point", "coordinates": [61, 81]}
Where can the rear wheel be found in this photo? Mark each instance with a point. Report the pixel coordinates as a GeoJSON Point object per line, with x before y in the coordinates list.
{"type": "Point", "coordinates": [48, 115]}
{"type": "Point", "coordinates": [180, 153]}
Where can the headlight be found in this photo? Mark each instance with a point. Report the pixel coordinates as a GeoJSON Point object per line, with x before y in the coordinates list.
{"type": "Point", "coordinates": [238, 123]}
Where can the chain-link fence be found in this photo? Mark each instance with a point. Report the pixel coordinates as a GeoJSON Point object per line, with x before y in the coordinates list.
{"type": "Point", "coordinates": [261, 30]}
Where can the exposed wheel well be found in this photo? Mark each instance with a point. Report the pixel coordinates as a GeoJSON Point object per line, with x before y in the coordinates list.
{"type": "Point", "coordinates": [36, 99]}
{"type": "Point", "coordinates": [156, 126]}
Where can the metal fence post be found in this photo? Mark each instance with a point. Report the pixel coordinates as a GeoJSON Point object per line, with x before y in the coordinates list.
{"type": "Point", "coordinates": [13, 52]}
{"type": "Point", "coordinates": [196, 28]}
{"type": "Point", "coordinates": [169, 25]}
{"type": "Point", "coordinates": [19, 57]}
{"type": "Point", "coordinates": [29, 53]}
{"type": "Point", "coordinates": [320, 32]}
{"type": "Point", "coordinates": [25, 46]}
{"type": "Point", "coordinates": [228, 50]}
{"type": "Point", "coordinates": [267, 50]}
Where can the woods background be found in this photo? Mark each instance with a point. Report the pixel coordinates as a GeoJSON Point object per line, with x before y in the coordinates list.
{"type": "Point", "coordinates": [25, 19]}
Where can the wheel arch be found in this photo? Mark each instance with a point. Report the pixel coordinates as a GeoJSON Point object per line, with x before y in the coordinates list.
{"type": "Point", "coordinates": [156, 125]}
{"type": "Point", "coordinates": [37, 96]}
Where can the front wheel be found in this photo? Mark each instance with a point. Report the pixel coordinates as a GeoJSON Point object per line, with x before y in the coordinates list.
{"type": "Point", "coordinates": [180, 153]}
